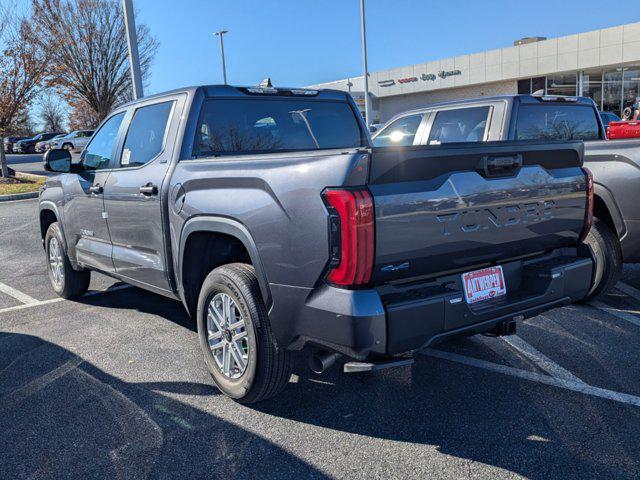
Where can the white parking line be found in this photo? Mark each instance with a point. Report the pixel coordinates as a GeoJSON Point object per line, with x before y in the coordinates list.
{"type": "Point", "coordinates": [629, 290]}
{"type": "Point", "coordinates": [58, 299]}
{"type": "Point", "coordinates": [616, 312]}
{"type": "Point", "coordinates": [17, 294]}
{"type": "Point", "coordinates": [579, 387]}
{"type": "Point", "coordinates": [540, 359]}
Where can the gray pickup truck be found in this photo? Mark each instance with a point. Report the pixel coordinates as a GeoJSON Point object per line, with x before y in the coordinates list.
{"type": "Point", "coordinates": [615, 236]}
{"type": "Point", "coordinates": [269, 215]}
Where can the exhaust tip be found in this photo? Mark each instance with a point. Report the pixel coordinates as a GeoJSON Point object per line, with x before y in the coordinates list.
{"type": "Point", "coordinates": [322, 361]}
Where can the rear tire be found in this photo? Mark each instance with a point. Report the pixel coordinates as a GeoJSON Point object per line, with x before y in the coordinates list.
{"type": "Point", "coordinates": [265, 368]}
{"type": "Point", "coordinates": [607, 254]}
{"type": "Point", "coordinates": [65, 281]}
{"type": "Point", "coordinates": [67, 146]}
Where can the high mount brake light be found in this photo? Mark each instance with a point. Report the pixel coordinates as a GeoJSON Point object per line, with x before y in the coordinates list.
{"type": "Point", "coordinates": [588, 216]}
{"type": "Point", "coordinates": [351, 236]}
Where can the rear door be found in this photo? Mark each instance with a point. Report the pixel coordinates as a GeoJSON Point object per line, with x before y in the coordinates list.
{"type": "Point", "coordinates": [133, 193]}
{"type": "Point", "coordinates": [460, 206]}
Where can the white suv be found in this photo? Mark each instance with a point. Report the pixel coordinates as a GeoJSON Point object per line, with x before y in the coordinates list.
{"type": "Point", "coordinates": [73, 142]}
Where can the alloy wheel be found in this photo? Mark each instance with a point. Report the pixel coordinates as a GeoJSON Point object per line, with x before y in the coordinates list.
{"type": "Point", "coordinates": [56, 262]}
{"type": "Point", "coordinates": [227, 336]}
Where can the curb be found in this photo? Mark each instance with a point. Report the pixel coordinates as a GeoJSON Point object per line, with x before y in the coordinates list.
{"type": "Point", "coordinates": [26, 195]}
{"type": "Point", "coordinates": [18, 196]}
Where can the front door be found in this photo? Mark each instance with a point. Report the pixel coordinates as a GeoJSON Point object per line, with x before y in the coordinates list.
{"type": "Point", "coordinates": [86, 226]}
{"type": "Point", "coordinates": [133, 200]}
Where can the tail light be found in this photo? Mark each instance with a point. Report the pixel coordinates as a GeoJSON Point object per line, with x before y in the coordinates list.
{"type": "Point", "coordinates": [351, 236]}
{"type": "Point", "coordinates": [588, 216]}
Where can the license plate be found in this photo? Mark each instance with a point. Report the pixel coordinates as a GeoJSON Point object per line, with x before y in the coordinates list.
{"type": "Point", "coordinates": [484, 284]}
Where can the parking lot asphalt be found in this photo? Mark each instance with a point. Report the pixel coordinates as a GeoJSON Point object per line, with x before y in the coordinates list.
{"type": "Point", "coordinates": [113, 386]}
{"type": "Point", "coordinates": [27, 163]}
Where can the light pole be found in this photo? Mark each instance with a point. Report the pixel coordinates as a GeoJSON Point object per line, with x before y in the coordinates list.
{"type": "Point", "coordinates": [364, 64]}
{"type": "Point", "coordinates": [224, 67]}
{"type": "Point", "coordinates": [132, 40]}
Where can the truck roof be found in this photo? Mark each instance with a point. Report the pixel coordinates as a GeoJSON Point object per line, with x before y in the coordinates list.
{"type": "Point", "coordinates": [246, 91]}
{"type": "Point", "coordinates": [521, 98]}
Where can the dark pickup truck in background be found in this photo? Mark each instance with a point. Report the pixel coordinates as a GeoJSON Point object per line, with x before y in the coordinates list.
{"type": "Point", "coordinates": [615, 165]}
{"type": "Point", "coordinates": [270, 216]}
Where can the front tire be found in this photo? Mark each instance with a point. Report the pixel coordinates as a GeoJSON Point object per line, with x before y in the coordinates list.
{"type": "Point", "coordinates": [607, 254]}
{"type": "Point", "coordinates": [235, 336]}
{"type": "Point", "coordinates": [66, 282]}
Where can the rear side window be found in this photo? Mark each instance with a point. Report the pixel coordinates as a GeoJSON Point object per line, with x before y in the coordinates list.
{"type": "Point", "coordinates": [556, 122]}
{"type": "Point", "coordinates": [268, 125]}
{"type": "Point", "coordinates": [399, 133]}
{"type": "Point", "coordinates": [145, 137]}
{"type": "Point", "coordinates": [459, 125]}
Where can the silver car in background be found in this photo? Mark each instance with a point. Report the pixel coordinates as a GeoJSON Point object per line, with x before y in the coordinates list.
{"type": "Point", "coordinates": [74, 142]}
{"type": "Point", "coordinates": [45, 145]}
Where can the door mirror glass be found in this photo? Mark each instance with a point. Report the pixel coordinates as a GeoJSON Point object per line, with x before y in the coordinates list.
{"type": "Point", "coordinates": [57, 161]}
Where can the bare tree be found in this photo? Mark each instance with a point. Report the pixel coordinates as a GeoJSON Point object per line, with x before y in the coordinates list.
{"type": "Point", "coordinates": [82, 116]}
{"type": "Point", "coordinates": [52, 113]}
{"type": "Point", "coordinates": [22, 67]}
{"type": "Point", "coordinates": [90, 63]}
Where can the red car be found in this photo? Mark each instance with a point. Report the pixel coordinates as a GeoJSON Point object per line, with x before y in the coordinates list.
{"type": "Point", "coordinates": [625, 129]}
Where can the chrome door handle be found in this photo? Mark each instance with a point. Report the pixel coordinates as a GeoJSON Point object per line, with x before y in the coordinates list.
{"type": "Point", "coordinates": [149, 189]}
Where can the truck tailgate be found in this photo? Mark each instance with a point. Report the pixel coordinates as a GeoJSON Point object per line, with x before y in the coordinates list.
{"type": "Point", "coordinates": [459, 206]}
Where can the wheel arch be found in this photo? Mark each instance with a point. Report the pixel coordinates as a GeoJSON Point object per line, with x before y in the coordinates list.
{"type": "Point", "coordinates": [606, 209]}
{"type": "Point", "coordinates": [220, 228]}
{"type": "Point", "coordinates": [49, 214]}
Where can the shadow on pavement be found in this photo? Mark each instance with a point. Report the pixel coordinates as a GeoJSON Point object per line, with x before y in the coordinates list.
{"type": "Point", "coordinates": [61, 417]}
{"type": "Point", "coordinates": [76, 420]}
{"type": "Point", "coordinates": [468, 413]}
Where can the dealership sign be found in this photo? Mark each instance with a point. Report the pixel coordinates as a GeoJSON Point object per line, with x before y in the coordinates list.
{"type": "Point", "coordinates": [425, 77]}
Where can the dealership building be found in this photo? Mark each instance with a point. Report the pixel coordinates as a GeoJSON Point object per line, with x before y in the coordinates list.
{"type": "Point", "coordinates": [601, 64]}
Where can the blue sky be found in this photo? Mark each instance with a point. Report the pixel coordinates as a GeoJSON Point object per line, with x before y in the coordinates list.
{"type": "Point", "coordinates": [304, 42]}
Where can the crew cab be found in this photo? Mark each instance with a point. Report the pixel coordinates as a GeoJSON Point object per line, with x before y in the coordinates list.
{"type": "Point", "coordinates": [268, 213]}
{"type": "Point", "coordinates": [615, 236]}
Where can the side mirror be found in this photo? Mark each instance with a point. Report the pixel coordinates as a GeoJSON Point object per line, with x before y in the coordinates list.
{"type": "Point", "coordinates": [57, 161]}
{"type": "Point", "coordinates": [373, 129]}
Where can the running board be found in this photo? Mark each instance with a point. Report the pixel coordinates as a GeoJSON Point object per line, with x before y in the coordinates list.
{"type": "Point", "coordinates": [358, 367]}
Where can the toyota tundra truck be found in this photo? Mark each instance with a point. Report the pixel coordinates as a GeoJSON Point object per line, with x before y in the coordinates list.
{"type": "Point", "coordinates": [270, 216]}
{"type": "Point", "coordinates": [615, 236]}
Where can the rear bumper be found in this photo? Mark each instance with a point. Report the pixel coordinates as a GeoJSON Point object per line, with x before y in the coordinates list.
{"type": "Point", "coordinates": [393, 320]}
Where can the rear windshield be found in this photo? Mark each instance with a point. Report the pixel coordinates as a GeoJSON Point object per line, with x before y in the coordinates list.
{"type": "Point", "coordinates": [265, 125]}
{"type": "Point", "coordinates": [557, 122]}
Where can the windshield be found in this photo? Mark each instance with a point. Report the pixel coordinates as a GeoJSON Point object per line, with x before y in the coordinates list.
{"type": "Point", "coordinates": [275, 124]}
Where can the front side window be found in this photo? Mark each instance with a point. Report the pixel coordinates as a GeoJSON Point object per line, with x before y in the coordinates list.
{"type": "Point", "coordinates": [557, 122]}
{"type": "Point", "coordinates": [269, 125]}
{"type": "Point", "coordinates": [97, 155]}
{"type": "Point", "coordinates": [399, 133]}
{"type": "Point", "coordinates": [459, 125]}
{"type": "Point", "coordinates": [145, 137]}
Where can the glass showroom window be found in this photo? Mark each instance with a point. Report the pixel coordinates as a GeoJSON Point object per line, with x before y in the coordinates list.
{"type": "Point", "coordinates": [631, 86]}
{"type": "Point", "coordinates": [592, 86]}
{"type": "Point", "coordinates": [562, 84]}
{"type": "Point", "coordinates": [612, 91]}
